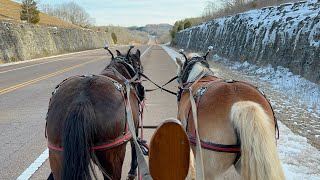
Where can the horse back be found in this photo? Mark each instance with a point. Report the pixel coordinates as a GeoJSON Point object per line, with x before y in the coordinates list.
{"type": "Point", "coordinates": [214, 106]}
{"type": "Point", "coordinates": [107, 100]}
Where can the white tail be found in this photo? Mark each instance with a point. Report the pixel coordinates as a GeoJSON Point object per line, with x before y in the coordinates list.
{"type": "Point", "coordinates": [259, 156]}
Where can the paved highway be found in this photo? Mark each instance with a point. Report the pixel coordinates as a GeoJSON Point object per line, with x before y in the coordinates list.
{"type": "Point", "coordinates": [25, 90]}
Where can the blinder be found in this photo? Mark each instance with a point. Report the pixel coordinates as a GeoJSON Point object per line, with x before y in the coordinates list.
{"type": "Point", "coordinates": [189, 65]}
{"type": "Point", "coordinates": [128, 62]}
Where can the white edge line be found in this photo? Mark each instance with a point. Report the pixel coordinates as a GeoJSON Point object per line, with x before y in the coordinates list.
{"type": "Point", "coordinates": [165, 48]}
{"type": "Point", "coordinates": [146, 50]}
{"type": "Point", "coordinates": [34, 166]}
{"type": "Point", "coordinates": [49, 57]}
{"type": "Point", "coordinates": [43, 157]}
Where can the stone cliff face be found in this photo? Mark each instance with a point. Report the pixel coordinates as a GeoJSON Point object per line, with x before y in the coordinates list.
{"type": "Point", "coordinates": [287, 35]}
{"type": "Point", "coordinates": [20, 42]}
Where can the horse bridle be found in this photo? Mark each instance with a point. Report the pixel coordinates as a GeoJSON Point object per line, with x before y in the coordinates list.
{"type": "Point", "coordinates": [126, 61]}
{"type": "Point", "coordinates": [188, 67]}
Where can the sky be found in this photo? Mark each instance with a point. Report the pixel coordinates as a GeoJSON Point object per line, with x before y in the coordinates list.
{"type": "Point", "coordinates": [137, 12]}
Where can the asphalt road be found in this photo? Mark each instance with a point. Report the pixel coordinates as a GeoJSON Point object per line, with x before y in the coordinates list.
{"type": "Point", "coordinates": [25, 90]}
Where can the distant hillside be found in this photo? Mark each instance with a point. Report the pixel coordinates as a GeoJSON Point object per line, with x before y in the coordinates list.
{"type": "Point", "coordinates": [153, 29]}
{"type": "Point", "coordinates": [10, 10]}
{"type": "Point", "coordinates": [139, 35]}
{"type": "Point", "coordinates": [124, 35]}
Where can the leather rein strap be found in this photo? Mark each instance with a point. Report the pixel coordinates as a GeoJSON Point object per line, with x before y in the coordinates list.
{"type": "Point", "coordinates": [142, 164]}
{"type": "Point", "coordinates": [199, 159]}
{"type": "Point", "coordinates": [159, 87]}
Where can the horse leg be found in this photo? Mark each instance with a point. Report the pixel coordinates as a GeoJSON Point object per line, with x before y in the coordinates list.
{"type": "Point", "coordinates": [111, 161]}
{"type": "Point", "coordinates": [55, 160]}
{"type": "Point", "coordinates": [134, 163]}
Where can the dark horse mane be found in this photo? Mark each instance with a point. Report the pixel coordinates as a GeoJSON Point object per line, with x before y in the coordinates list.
{"type": "Point", "coordinates": [130, 65]}
{"type": "Point", "coordinates": [121, 63]}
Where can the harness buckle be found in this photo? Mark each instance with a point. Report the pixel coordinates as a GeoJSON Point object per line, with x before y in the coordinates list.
{"type": "Point", "coordinates": [229, 81]}
{"type": "Point", "coordinates": [200, 92]}
{"type": "Point", "coordinates": [118, 86]}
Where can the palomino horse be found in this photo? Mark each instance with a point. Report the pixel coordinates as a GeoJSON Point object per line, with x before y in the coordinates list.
{"type": "Point", "coordinates": [87, 121]}
{"type": "Point", "coordinates": [235, 123]}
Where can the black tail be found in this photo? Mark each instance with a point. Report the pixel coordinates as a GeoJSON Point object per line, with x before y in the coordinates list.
{"type": "Point", "coordinates": [77, 140]}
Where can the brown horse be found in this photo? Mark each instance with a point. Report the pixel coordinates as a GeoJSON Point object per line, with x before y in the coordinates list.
{"type": "Point", "coordinates": [235, 123]}
{"type": "Point", "coordinates": [87, 122]}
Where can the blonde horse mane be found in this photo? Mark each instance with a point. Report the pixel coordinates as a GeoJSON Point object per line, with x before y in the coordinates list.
{"type": "Point", "coordinates": [197, 68]}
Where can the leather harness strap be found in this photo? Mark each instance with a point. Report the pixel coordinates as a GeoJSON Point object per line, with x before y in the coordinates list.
{"type": "Point", "coordinates": [213, 146]}
{"type": "Point", "coordinates": [199, 159]}
{"type": "Point", "coordinates": [107, 145]}
{"type": "Point", "coordinates": [142, 164]}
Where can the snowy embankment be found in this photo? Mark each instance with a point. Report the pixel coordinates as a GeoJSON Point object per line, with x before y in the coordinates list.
{"type": "Point", "coordinates": [287, 35]}
{"type": "Point", "coordinates": [299, 159]}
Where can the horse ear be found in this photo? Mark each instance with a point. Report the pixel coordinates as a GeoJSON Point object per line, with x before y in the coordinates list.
{"type": "Point", "coordinates": [138, 53]}
{"type": "Point", "coordinates": [179, 61]}
{"type": "Point", "coordinates": [118, 53]}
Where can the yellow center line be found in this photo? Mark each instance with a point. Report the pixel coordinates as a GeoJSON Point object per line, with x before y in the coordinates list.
{"type": "Point", "coordinates": [45, 62]}
{"type": "Point", "coordinates": [6, 90]}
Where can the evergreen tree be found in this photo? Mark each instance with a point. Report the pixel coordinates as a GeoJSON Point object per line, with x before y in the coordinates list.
{"type": "Point", "coordinates": [173, 33]}
{"type": "Point", "coordinates": [180, 27]}
{"type": "Point", "coordinates": [187, 24]}
{"type": "Point", "coordinates": [114, 37]}
{"type": "Point", "coordinates": [29, 11]}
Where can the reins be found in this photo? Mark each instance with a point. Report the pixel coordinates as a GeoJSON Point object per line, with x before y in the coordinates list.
{"type": "Point", "coordinates": [159, 87]}
{"type": "Point", "coordinates": [199, 159]}
{"type": "Point", "coordinates": [143, 167]}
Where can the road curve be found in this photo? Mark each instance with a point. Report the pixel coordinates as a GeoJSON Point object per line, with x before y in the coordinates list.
{"type": "Point", "coordinates": [25, 90]}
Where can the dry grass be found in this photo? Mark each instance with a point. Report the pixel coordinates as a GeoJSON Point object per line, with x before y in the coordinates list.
{"type": "Point", "coordinates": [10, 10]}
{"type": "Point", "coordinates": [124, 35]}
{"type": "Point", "coordinates": [164, 38]}
{"type": "Point", "coordinates": [232, 7]}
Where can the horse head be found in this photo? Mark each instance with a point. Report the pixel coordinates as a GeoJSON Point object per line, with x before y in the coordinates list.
{"type": "Point", "coordinates": [193, 64]}
{"type": "Point", "coordinates": [128, 65]}
{"type": "Point", "coordinates": [130, 62]}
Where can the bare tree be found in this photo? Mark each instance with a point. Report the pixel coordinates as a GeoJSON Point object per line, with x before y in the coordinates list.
{"type": "Point", "coordinates": [211, 8]}
{"type": "Point", "coordinates": [70, 12]}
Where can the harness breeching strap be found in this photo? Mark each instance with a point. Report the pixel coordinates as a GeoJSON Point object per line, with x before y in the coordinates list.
{"type": "Point", "coordinates": [126, 136]}
{"type": "Point", "coordinates": [142, 164]}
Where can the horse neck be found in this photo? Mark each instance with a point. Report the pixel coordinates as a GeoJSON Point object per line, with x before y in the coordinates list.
{"type": "Point", "coordinates": [122, 69]}
{"type": "Point", "coordinates": [196, 70]}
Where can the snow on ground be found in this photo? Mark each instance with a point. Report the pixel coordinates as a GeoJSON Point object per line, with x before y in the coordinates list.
{"type": "Point", "coordinates": [294, 90]}
{"type": "Point", "coordinates": [281, 78]}
{"type": "Point", "coordinates": [300, 160]}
